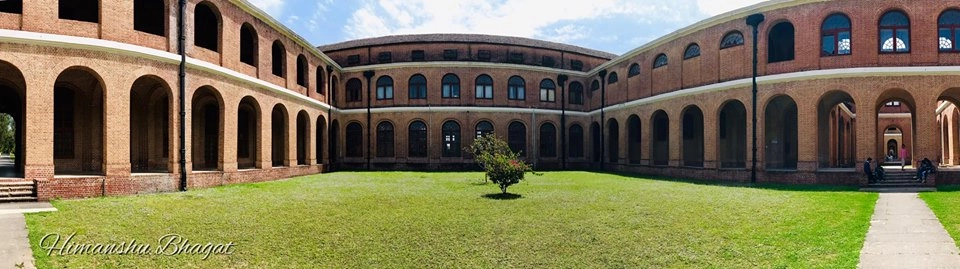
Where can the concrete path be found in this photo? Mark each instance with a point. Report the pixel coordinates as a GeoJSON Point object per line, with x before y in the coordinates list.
{"type": "Point", "coordinates": [904, 233]}
{"type": "Point", "coordinates": [14, 245]}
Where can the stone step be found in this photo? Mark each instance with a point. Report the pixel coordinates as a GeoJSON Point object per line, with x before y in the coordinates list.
{"type": "Point", "coordinates": [15, 183]}
{"type": "Point", "coordinates": [16, 193]}
{"type": "Point", "coordinates": [898, 189]}
{"type": "Point", "coordinates": [16, 188]}
{"type": "Point", "coordinates": [18, 199]}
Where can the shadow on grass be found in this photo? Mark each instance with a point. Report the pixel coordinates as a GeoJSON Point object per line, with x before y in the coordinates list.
{"type": "Point", "coordinates": [502, 196]}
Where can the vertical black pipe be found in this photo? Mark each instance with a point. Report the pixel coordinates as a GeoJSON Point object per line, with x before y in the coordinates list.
{"type": "Point", "coordinates": [754, 21]}
{"type": "Point", "coordinates": [562, 80]}
{"type": "Point", "coordinates": [369, 74]}
{"type": "Point", "coordinates": [181, 43]}
{"type": "Point", "coordinates": [603, 104]}
{"type": "Point", "coordinates": [330, 99]}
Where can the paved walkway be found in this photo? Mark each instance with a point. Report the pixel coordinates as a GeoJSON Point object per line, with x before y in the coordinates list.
{"type": "Point", "coordinates": [14, 245]}
{"type": "Point", "coordinates": [904, 233]}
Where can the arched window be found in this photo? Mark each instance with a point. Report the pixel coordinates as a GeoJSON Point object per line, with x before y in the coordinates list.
{"type": "Point", "coordinates": [634, 70]}
{"type": "Point", "coordinates": [548, 91]}
{"type": "Point", "coordinates": [484, 86]}
{"type": "Point", "coordinates": [451, 139]}
{"type": "Point", "coordinates": [576, 93]}
{"type": "Point", "coordinates": [278, 129]}
{"type": "Point", "coordinates": [417, 139]}
{"type": "Point", "coordinates": [949, 29]}
{"type": "Point", "coordinates": [80, 10]}
{"type": "Point", "coordinates": [385, 139]}
{"type": "Point", "coordinates": [206, 26]}
{"type": "Point", "coordinates": [320, 79]}
{"type": "Point", "coordinates": [835, 35]}
{"type": "Point", "coordinates": [595, 85]}
{"type": "Point", "coordinates": [732, 39]}
{"type": "Point", "coordinates": [484, 128]}
{"type": "Point", "coordinates": [576, 141]}
{"type": "Point", "coordinates": [612, 78]}
{"type": "Point", "coordinates": [516, 88]}
{"type": "Point", "coordinates": [302, 71]}
{"type": "Point", "coordinates": [148, 16]}
{"type": "Point", "coordinates": [517, 138]}
{"type": "Point", "coordinates": [451, 86]}
{"type": "Point", "coordinates": [780, 45]}
{"type": "Point", "coordinates": [548, 140]}
{"type": "Point", "coordinates": [279, 59]}
{"type": "Point", "coordinates": [660, 61]}
{"type": "Point", "coordinates": [418, 87]}
{"type": "Point", "coordinates": [384, 88]}
{"type": "Point", "coordinates": [894, 32]}
{"type": "Point", "coordinates": [248, 45]}
{"type": "Point", "coordinates": [693, 51]}
{"type": "Point", "coordinates": [333, 89]}
{"type": "Point", "coordinates": [354, 140]}
{"type": "Point", "coordinates": [353, 90]}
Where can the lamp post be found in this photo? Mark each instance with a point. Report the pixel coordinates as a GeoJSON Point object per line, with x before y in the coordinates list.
{"type": "Point", "coordinates": [754, 22]}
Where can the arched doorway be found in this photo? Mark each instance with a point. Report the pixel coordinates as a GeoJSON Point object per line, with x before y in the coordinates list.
{"type": "Point", "coordinates": [613, 141]}
{"type": "Point", "coordinates": [780, 133]}
{"type": "Point", "coordinates": [150, 112]}
{"type": "Point", "coordinates": [692, 133]}
{"type": "Point", "coordinates": [595, 138]}
{"type": "Point", "coordinates": [303, 135]}
{"type": "Point", "coordinates": [78, 123]}
{"type": "Point", "coordinates": [12, 107]}
{"type": "Point", "coordinates": [895, 121]}
{"type": "Point", "coordinates": [660, 144]}
{"type": "Point", "coordinates": [248, 134]}
{"type": "Point", "coordinates": [278, 133]}
{"type": "Point", "coordinates": [321, 129]}
{"type": "Point", "coordinates": [732, 135]}
{"type": "Point", "coordinates": [633, 139]}
{"type": "Point", "coordinates": [836, 130]}
{"type": "Point", "coordinates": [207, 129]}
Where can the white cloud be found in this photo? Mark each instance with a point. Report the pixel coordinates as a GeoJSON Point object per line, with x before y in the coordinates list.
{"type": "Point", "coordinates": [717, 7]}
{"type": "Point", "coordinates": [272, 7]}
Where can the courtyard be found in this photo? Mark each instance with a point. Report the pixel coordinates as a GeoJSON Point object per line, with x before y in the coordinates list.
{"type": "Point", "coordinates": [442, 220]}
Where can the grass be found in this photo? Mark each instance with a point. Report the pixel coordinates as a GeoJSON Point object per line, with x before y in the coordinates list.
{"type": "Point", "coordinates": [944, 204]}
{"type": "Point", "coordinates": [442, 220]}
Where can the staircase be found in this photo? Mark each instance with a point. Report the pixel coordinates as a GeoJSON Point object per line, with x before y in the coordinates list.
{"type": "Point", "coordinates": [896, 180]}
{"type": "Point", "coordinates": [17, 191]}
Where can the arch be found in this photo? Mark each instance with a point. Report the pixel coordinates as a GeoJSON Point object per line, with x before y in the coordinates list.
{"type": "Point", "coordinates": [320, 78]}
{"type": "Point", "coordinates": [206, 26]}
{"type": "Point", "coordinates": [612, 78]}
{"type": "Point", "coordinates": [634, 70]}
{"type": "Point", "coordinates": [385, 147]}
{"type": "Point", "coordinates": [597, 143]}
{"type": "Point", "coordinates": [302, 67]}
{"type": "Point", "coordinates": [692, 135]}
{"type": "Point", "coordinates": [595, 85]}
{"type": "Point", "coordinates": [548, 90]}
{"type": "Point", "coordinates": [417, 139]}
{"type": "Point", "coordinates": [354, 87]}
{"type": "Point", "coordinates": [451, 139]}
{"type": "Point", "coordinates": [149, 16]}
{"type": "Point", "coordinates": [248, 133]}
{"type": "Point", "coordinates": [835, 38]}
{"type": "Point", "coordinates": [384, 88]}
{"type": "Point", "coordinates": [836, 145]}
{"type": "Point", "coordinates": [279, 134]}
{"type": "Point", "coordinates": [613, 141]}
{"type": "Point", "coordinates": [13, 103]}
{"type": "Point", "coordinates": [318, 143]}
{"type": "Point", "coordinates": [516, 88]}
{"type": "Point", "coordinates": [780, 42]}
{"type": "Point", "coordinates": [731, 39]}
{"type": "Point", "coordinates": [548, 140]}
{"type": "Point", "coordinates": [334, 140]}
{"type": "Point", "coordinates": [484, 87]}
{"type": "Point", "coordinates": [354, 140]}
{"type": "Point", "coordinates": [303, 137]}
{"type": "Point", "coordinates": [780, 133]}
{"type": "Point", "coordinates": [484, 128]}
{"type": "Point", "coordinates": [78, 122]}
{"type": "Point", "coordinates": [207, 129]}
{"type": "Point", "coordinates": [278, 58]}
{"type": "Point", "coordinates": [333, 89]}
{"type": "Point", "coordinates": [150, 112]}
{"type": "Point", "coordinates": [451, 86]}
{"type": "Point", "coordinates": [660, 144]}
{"type": "Point", "coordinates": [634, 139]}
{"type": "Point", "coordinates": [894, 32]}
{"type": "Point", "coordinates": [732, 135]}
{"type": "Point", "coordinates": [576, 93]}
{"type": "Point", "coordinates": [660, 61]}
{"type": "Point", "coordinates": [80, 10]}
{"type": "Point", "coordinates": [948, 27]}
{"type": "Point", "coordinates": [249, 45]}
{"type": "Point", "coordinates": [417, 86]}
{"type": "Point", "coordinates": [517, 137]}
{"type": "Point", "coordinates": [576, 141]}
{"type": "Point", "coordinates": [692, 51]}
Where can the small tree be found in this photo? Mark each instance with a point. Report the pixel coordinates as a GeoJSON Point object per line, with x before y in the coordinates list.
{"type": "Point", "coordinates": [501, 165]}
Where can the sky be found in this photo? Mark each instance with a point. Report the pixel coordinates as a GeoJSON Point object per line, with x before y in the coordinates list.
{"type": "Point", "coordinates": [614, 26]}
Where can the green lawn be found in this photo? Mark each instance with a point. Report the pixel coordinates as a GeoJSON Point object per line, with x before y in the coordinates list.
{"type": "Point", "coordinates": [944, 203]}
{"type": "Point", "coordinates": [444, 220]}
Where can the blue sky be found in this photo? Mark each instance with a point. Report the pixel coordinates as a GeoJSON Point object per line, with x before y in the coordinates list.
{"type": "Point", "coordinates": [614, 26]}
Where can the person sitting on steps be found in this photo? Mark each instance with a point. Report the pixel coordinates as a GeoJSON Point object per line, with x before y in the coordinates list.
{"type": "Point", "coordinates": [926, 167]}
{"type": "Point", "coordinates": [867, 170]}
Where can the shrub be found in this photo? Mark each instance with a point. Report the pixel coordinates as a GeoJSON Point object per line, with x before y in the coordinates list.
{"type": "Point", "coordinates": [502, 166]}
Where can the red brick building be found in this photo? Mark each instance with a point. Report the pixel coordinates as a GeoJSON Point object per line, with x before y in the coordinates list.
{"type": "Point", "coordinates": [94, 88]}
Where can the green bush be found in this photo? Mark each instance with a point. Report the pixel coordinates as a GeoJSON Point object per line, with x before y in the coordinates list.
{"type": "Point", "coordinates": [502, 166]}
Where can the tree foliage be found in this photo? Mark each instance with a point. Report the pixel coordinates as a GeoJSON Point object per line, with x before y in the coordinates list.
{"type": "Point", "coordinates": [502, 166]}
{"type": "Point", "coordinates": [7, 143]}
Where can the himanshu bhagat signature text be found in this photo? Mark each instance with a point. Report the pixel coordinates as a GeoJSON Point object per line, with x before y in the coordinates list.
{"type": "Point", "coordinates": [167, 245]}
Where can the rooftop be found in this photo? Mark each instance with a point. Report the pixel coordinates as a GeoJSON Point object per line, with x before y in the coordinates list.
{"type": "Point", "coordinates": [463, 38]}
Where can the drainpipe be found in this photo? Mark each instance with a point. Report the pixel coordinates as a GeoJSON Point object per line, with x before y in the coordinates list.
{"type": "Point", "coordinates": [181, 47]}
{"type": "Point", "coordinates": [562, 80]}
{"type": "Point", "coordinates": [754, 21]}
{"type": "Point", "coordinates": [330, 99]}
{"type": "Point", "coordinates": [368, 74]}
{"type": "Point", "coordinates": [603, 104]}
